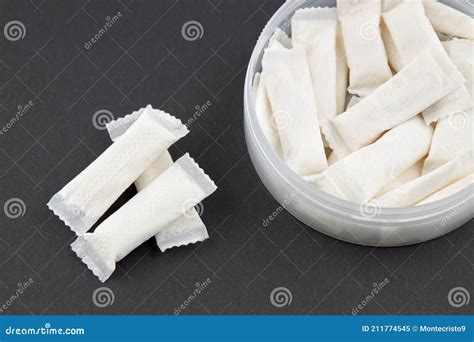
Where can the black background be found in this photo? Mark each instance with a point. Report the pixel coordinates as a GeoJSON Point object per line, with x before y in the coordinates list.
{"type": "Point", "coordinates": [144, 59]}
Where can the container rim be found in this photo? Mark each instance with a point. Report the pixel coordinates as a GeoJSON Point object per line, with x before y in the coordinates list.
{"type": "Point", "coordinates": [330, 203]}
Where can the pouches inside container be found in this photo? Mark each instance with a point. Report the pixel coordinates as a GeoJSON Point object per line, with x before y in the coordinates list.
{"type": "Point", "coordinates": [416, 87]}
{"type": "Point", "coordinates": [412, 33]}
{"type": "Point", "coordinates": [366, 57]}
{"type": "Point", "coordinates": [362, 174]}
{"type": "Point", "coordinates": [288, 83]}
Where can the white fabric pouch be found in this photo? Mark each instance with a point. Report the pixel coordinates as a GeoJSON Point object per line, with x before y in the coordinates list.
{"type": "Point", "coordinates": [84, 199]}
{"type": "Point", "coordinates": [412, 173]}
{"type": "Point", "coordinates": [394, 59]}
{"type": "Point", "coordinates": [288, 83]}
{"type": "Point", "coordinates": [448, 20]}
{"type": "Point", "coordinates": [362, 174]}
{"type": "Point", "coordinates": [461, 52]}
{"type": "Point", "coordinates": [280, 40]}
{"type": "Point", "coordinates": [353, 101]}
{"type": "Point", "coordinates": [451, 189]}
{"type": "Point", "coordinates": [337, 144]}
{"type": "Point", "coordinates": [454, 135]}
{"type": "Point", "coordinates": [150, 211]}
{"type": "Point", "coordinates": [185, 230]}
{"type": "Point", "coordinates": [422, 187]}
{"type": "Point", "coordinates": [411, 33]}
{"type": "Point", "coordinates": [315, 30]}
{"type": "Point", "coordinates": [388, 5]}
{"type": "Point", "coordinates": [416, 87]}
{"type": "Point", "coordinates": [366, 57]}
{"type": "Point", "coordinates": [342, 71]}
{"type": "Point", "coordinates": [263, 108]}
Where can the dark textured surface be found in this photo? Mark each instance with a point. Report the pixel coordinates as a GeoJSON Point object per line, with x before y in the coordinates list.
{"type": "Point", "coordinates": [143, 59]}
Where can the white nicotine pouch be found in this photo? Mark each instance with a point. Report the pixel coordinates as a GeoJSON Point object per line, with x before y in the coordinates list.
{"type": "Point", "coordinates": [451, 189]}
{"type": "Point", "coordinates": [362, 174]}
{"type": "Point", "coordinates": [448, 20]}
{"type": "Point", "coordinates": [150, 211]}
{"type": "Point", "coordinates": [365, 51]}
{"type": "Point", "coordinates": [339, 148]}
{"type": "Point", "coordinates": [420, 188]}
{"type": "Point", "coordinates": [411, 33]}
{"type": "Point", "coordinates": [315, 30]}
{"type": "Point", "coordinates": [413, 172]}
{"type": "Point", "coordinates": [280, 40]}
{"type": "Point", "coordinates": [342, 71]}
{"type": "Point", "coordinates": [289, 88]}
{"type": "Point", "coordinates": [461, 52]}
{"type": "Point", "coordinates": [388, 5]}
{"type": "Point", "coordinates": [263, 108]}
{"type": "Point", "coordinates": [394, 58]}
{"type": "Point", "coordinates": [185, 230]}
{"type": "Point", "coordinates": [416, 87]}
{"type": "Point", "coordinates": [453, 137]}
{"type": "Point", "coordinates": [454, 134]}
{"type": "Point", "coordinates": [86, 198]}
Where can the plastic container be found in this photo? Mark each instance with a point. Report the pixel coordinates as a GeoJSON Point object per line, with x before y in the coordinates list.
{"type": "Point", "coordinates": [327, 214]}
